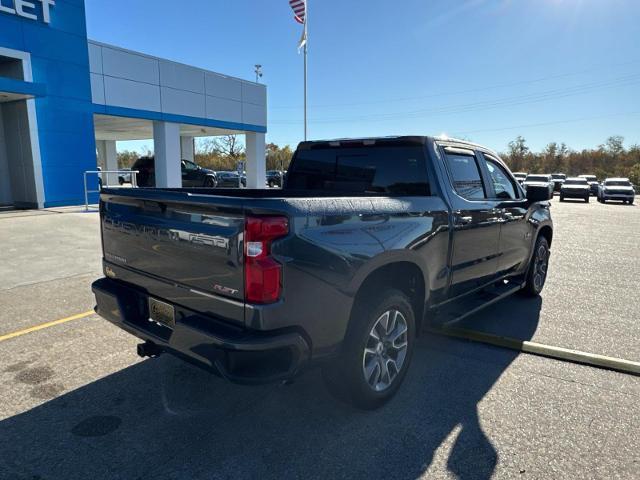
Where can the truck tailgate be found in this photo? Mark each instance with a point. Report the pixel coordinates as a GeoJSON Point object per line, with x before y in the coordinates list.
{"type": "Point", "coordinates": [177, 238]}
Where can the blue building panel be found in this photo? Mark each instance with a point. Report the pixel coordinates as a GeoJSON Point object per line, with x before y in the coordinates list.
{"type": "Point", "coordinates": [73, 21]}
{"type": "Point", "coordinates": [18, 86]}
{"type": "Point", "coordinates": [55, 45]}
{"type": "Point", "coordinates": [63, 80]}
{"type": "Point", "coordinates": [62, 115]}
{"type": "Point", "coordinates": [64, 109]}
{"type": "Point", "coordinates": [11, 32]}
{"type": "Point", "coordinates": [59, 60]}
{"type": "Point", "coordinates": [173, 118]}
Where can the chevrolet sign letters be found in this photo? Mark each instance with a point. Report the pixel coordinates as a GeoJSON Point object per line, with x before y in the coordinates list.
{"type": "Point", "coordinates": [26, 9]}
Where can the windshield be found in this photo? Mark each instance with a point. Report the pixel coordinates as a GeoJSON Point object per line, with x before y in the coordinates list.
{"type": "Point", "coordinates": [576, 181]}
{"type": "Point", "coordinates": [590, 178]}
{"type": "Point", "coordinates": [537, 178]}
{"type": "Point", "coordinates": [617, 183]}
{"type": "Point", "coordinates": [558, 176]}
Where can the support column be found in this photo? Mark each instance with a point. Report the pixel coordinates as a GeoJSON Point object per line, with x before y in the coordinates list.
{"type": "Point", "coordinates": [111, 161]}
{"type": "Point", "coordinates": [166, 145]}
{"type": "Point", "coordinates": [256, 160]}
{"type": "Point", "coordinates": [107, 160]}
{"type": "Point", "coordinates": [187, 148]}
{"type": "Point", "coordinates": [102, 154]}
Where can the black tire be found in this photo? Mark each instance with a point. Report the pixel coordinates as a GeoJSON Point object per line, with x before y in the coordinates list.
{"type": "Point", "coordinates": [538, 267]}
{"type": "Point", "coordinates": [346, 376]}
{"type": "Point", "coordinates": [272, 184]}
{"type": "Point", "coordinates": [209, 182]}
{"type": "Point", "coordinates": [121, 180]}
{"type": "Point", "coordinates": [561, 198]}
{"type": "Point", "coordinates": [586, 199]}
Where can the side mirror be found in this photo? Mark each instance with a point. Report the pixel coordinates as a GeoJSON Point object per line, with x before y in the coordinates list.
{"type": "Point", "coordinates": [538, 193]}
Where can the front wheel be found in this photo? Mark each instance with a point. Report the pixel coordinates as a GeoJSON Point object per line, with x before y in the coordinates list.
{"type": "Point", "coordinates": [537, 273]}
{"type": "Point", "coordinates": [561, 198]}
{"type": "Point", "coordinates": [377, 351]}
{"type": "Point", "coordinates": [586, 199]}
{"type": "Point", "coordinates": [209, 182]}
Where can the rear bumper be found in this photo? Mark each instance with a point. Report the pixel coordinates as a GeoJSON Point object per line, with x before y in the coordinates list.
{"type": "Point", "coordinates": [618, 196]}
{"type": "Point", "coordinates": [574, 194]}
{"type": "Point", "coordinates": [237, 354]}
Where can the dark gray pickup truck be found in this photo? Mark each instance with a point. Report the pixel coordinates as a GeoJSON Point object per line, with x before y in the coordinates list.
{"type": "Point", "coordinates": [341, 268]}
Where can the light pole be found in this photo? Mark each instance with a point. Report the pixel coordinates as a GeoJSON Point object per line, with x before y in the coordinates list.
{"type": "Point", "coordinates": [258, 70]}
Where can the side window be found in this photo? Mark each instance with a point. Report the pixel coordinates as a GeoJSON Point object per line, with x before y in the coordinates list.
{"type": "Point", "coordinates": [187, 165]}
{"type": "Point", "coordinates": [465, 175]}
{"type": "Point", "coordinates": [502, 184]}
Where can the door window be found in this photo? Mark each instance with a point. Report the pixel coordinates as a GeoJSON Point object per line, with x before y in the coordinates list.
{"type": "Point", "coordinates": [189, 166]}
{"type": "Point", "coordinates": [465, 176]}
{"type": "Point", "coordinates": [502, 184]}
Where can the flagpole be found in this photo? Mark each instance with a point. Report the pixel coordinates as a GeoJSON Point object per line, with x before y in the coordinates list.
{"type": "Point", "coordinates": [306, 31]}
{"type": "Point", "coordinates": [305, 93]}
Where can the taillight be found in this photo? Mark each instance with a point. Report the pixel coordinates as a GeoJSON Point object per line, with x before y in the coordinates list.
{"type": "Point", "coordinates": [262, 274]}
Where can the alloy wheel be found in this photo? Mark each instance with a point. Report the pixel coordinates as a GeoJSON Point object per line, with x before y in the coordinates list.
{"type": "Point", "coordinates": [540, 267]}
{"type": "Point", "coordinates": [386, 350]}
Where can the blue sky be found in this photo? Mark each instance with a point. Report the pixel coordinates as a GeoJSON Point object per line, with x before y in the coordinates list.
{"type": "Point", "coordinates": [487, 70]}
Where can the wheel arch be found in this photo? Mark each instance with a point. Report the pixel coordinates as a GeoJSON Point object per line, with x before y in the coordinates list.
{"type": "Point", "coordinates": [210, 176]}
{"type": "Point", "coordinates": [547, 232]}
{"type": "Point", "coordinates": [403, 275]}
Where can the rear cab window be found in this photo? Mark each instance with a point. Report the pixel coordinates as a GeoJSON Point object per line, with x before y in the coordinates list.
{"type": "Point", "coordinates": [387, 170]}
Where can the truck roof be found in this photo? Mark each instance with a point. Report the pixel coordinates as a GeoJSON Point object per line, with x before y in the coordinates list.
{"type": "Point", "coordinates": [388, 140]}
{"type": "Point", "coordinates": [336, 142]}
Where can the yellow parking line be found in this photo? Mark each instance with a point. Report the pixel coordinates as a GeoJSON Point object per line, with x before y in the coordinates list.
{"type": "Point", "coordinates": [45, 325]}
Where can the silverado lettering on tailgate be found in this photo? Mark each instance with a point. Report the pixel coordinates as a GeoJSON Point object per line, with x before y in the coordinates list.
{"type": "Point", "coordinates": [173, 235]}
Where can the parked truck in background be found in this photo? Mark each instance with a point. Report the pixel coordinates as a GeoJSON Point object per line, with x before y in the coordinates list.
{"type": "Point", "coordinates": [341, 268]}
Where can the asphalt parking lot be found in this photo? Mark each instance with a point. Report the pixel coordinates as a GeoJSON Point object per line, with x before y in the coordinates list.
{"type": "Point", "coordinates": [76, 401]}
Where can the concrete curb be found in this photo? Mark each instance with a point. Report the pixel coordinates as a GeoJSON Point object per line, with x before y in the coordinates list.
{"type": "Point", "coordinates": [558, 353]}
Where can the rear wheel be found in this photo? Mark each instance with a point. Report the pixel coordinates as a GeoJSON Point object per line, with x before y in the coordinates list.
{"type": "Point", "coordinates": [561, 198]}
{"type": "Point", "coordinates": [377, 351]}
{"type": "Point", "coordinates": [209, 182]}
{"type": "Point", "coordinates": [537, 273]}
{"type": "Point", "coordinates": [586, 199]}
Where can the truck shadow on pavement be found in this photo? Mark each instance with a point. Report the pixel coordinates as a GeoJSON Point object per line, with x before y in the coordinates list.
{"type": "Point", "coordinates": [163, 418]}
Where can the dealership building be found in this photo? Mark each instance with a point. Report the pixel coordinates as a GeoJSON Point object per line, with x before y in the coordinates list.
{"type": "Point", "coordinates": [65, 100]}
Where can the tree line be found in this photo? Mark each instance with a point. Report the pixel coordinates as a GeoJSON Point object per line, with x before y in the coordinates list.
{"type": "Point", "coordinates": [610, 159]}
{"type": "Point", "coordinates": [221, 153]}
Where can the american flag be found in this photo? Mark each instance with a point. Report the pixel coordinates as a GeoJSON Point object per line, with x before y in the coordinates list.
{"type": "Point", "coordinates": [299, 8]}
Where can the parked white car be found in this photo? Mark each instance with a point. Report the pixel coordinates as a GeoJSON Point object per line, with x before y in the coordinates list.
{"type": "Point", "coordinates": [619, 189]}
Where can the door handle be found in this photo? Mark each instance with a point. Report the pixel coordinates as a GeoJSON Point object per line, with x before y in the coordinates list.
{"type": "Point", "coordinates": [464, 220]}
{"type": "Point", "coordinates": [508, 214]}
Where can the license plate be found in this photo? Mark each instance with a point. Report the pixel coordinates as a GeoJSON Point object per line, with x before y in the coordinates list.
{"type": "Point", "coordinates": [162, 313]}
